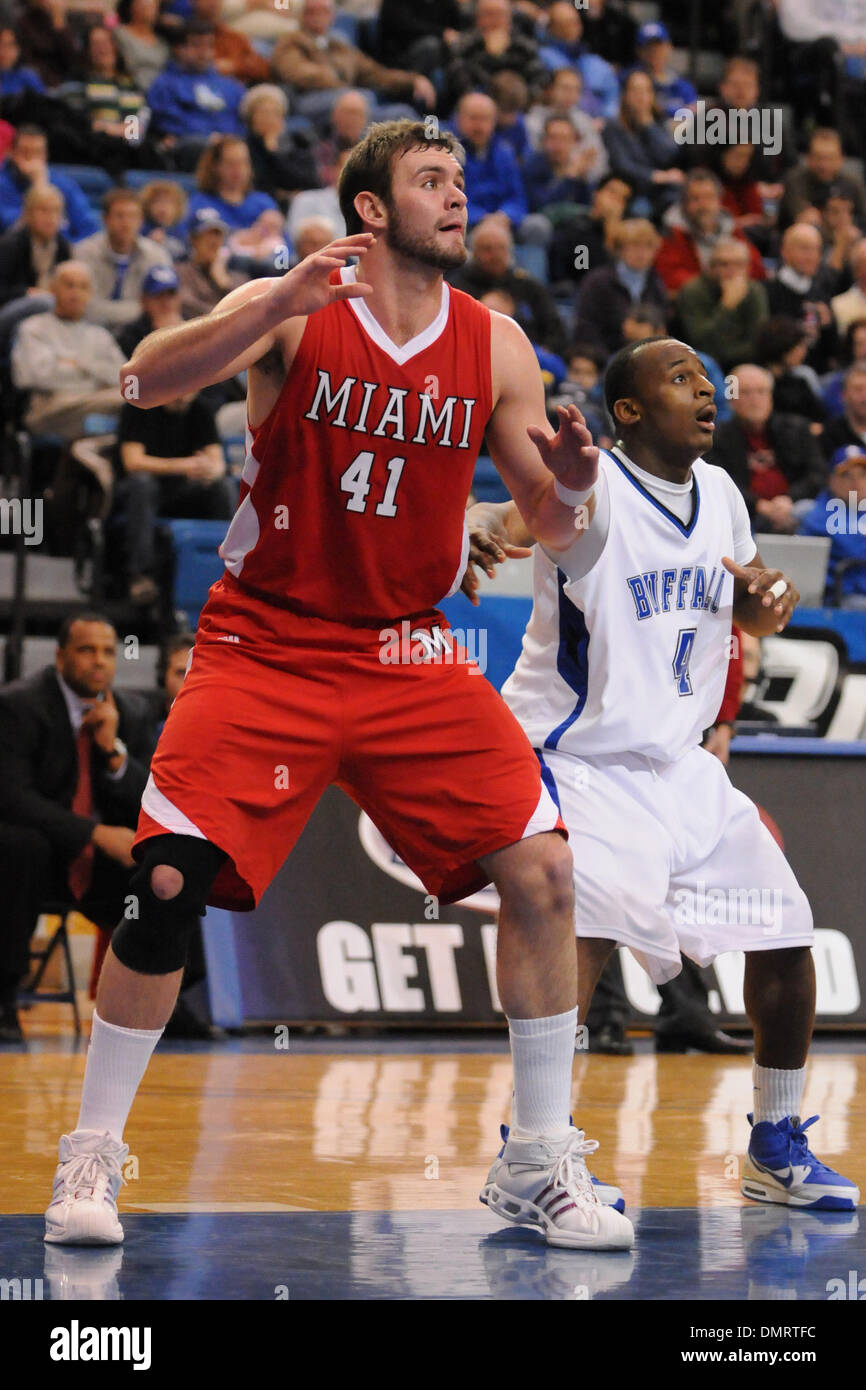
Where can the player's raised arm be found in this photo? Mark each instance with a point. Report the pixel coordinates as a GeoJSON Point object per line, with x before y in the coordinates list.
{"type": "Point", "coordinates": [239, 331]}
{"type": "Point", "coordinates": [548, 475]}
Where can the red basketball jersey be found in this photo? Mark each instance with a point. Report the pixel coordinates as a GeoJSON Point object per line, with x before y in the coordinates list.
{"type": "Point", "coordinates": [354, 490]}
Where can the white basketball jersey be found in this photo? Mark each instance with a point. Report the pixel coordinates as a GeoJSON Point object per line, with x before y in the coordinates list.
{"type": "Point", "coordinates": [632, 656]}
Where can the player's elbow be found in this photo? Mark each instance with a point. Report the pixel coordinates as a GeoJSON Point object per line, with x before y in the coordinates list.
{"type": "Point", "coordinates": [135, 388]}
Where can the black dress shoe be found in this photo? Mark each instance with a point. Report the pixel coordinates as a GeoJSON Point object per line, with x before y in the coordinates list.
{"type": "Point", "coordinates": [703, 1040]}
{"type": "Point", "coordinates": [10, 1028]}
{"type": "Point", "coordinates": [610, 1038]}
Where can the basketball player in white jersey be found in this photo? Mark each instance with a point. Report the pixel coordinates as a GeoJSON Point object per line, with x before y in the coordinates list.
{"type": "Point", "coordinates": [622, 669]}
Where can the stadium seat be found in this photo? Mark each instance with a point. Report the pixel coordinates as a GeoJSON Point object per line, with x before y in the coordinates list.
{"type": "Point", "coordinates": [196, 563]}
{"type": "Point", "coordinates": [487, 486]}
{"type": "Point", "coordinates": [138, 178]}
{"type": "Point", "coordinates": [93, 181]}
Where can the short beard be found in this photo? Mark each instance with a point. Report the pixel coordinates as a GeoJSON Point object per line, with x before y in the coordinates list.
{"type": "Point", "coordinates": [423, 250]}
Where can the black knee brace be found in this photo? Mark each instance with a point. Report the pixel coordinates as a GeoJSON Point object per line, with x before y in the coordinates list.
{"type": "Point", "coordinates": [154, 933]}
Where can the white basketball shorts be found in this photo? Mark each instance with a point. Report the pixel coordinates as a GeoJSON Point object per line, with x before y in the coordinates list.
{"type": "Point", "coordinates": [671, 858]}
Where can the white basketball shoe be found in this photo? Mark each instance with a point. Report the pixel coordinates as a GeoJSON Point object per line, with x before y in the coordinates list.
{"type": "Point", "coordinates": [83, 1209]}
{"type": "Point", "coordinates": [545, 1183]}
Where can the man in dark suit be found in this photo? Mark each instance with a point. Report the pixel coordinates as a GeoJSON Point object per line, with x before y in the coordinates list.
{"type": "Point", "coordinates": [73, 765]}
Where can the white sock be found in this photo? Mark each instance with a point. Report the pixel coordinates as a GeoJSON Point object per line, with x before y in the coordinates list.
{"type": "Point", "coordinates": [542, 1050]}
{"type": "Point", "coordinates": [116, 1061]}
{"type": "Point", "coordinates": [776, 1093]}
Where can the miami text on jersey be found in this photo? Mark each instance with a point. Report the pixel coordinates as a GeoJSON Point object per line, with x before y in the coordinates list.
{"type": "Point", "coordinates": [395, 406]}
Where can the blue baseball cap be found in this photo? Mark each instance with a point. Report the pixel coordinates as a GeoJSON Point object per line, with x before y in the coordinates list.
{"type": "Point", "coordinates": [848, 451]}
{"type": "Point", "coordinates": [652, 33]}
{"type": "Point", "coordinates": [161, 279]}
{"type": "Point", "coordinates": [205, 220]}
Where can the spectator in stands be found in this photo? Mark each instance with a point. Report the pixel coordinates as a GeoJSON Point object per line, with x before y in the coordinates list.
{"type": "Point", "coordinates": [110, 94]}
{"type": "Point", "coordinates": [118, 259]}
{"type": "Point", "coordinates": [809, 184]}
{"type": "Point", "coordinates": [144, 52]}
{"type": "Point", "coordinates": [260, 249]}
{"type": "Point", "coordinates": [420, 33]}
{"type": "Point", "coordinates": [774, 459]}
{"type": "Point", "coordinates": [261, 19]}
{"type": "Point", "coordinates": [563, 46]}
{"type": "Point", "coordinates": [190, 101]}
{"type": "Point", "coordinates": [847, 485]}
{"type": "Point", "coordinates": [27, 167]}
{"type": "Point", "coordinates": [225, 183]}
{"type": "Point", "coordinates": [640, 148]}
{"type": "Point", "coordinates": [349, 120]}
{"type": "Point", "coordinates": [311, 235]}
{"type": "Point", "coordinates": [173, 465]}
{"type": "Point", "coordinates": [740, 90]}
{"type": "Point", "coordinates": [585, 242]}
{"type": "Point", "coordinates": [851, 305]}
{"type": "Point", "coordinates": [853, 350]}
{"type": "Point", "coordinates": [552, 366]}
{"type": "Point", "coordinates": [48, 43]}
{"type": "Point", "coordinates": [74, 761]}
{"type": "Point", "coordinates": [14, 77]}
{"type": "Point", "coordinates": [781, 345]}
{"type": "Point", "coordinates": [282, 161]}
{"type": "Point", "coordinates": [30, 254]}
{"type": "Point", "coordinates": [511, 95]}
{"type": "Point", "coordinates": [801, 288]}
{"type": "Point", "coordinates": [850, 426]}
{"type": "Point", "coordinates": [164, 209]}
{"type": "Point", "coordinates": [319, 202]}
{"type": "Point", "coordinates": [493, 44]}
{"type": "Point", "coordinates": [583, 387]}
{"type": "Point", "coordinates": [838, 228]}
{"type": "Point", "coordinates": [493, 180]}
{"type": "Point", "coordinates": [562, 97]}
{"type": "Point", "coordinates": [721, 310]}
{"type": "Point", "coordinates": [606, 294]}
{"type": "Point", "coordinates": [673, 93]}
{"type": "Point", "coordinates": [609, 30]}
{"type": "Point", "coordinates": [204, 278]}
{"type": "Point", "coordinates": [692, 227]}
{"type": "Point", "coordinates": [70, 367]}
{"type": "Point", "coordinates": [319, 64]}
{"type": "Point", "coordinates": [491, 267]}
{"type": "Point", "coordinates": [741, 196]}
{"type": "Point", "coordinates": [234, 55]}
{"type": "Point", "coordinates": [558, 172]}
{"type": "Point", "coordinates": [160, 307]}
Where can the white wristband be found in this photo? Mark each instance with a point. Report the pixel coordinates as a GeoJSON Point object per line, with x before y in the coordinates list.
{"type": "Point", "coordinates": [569, 497]}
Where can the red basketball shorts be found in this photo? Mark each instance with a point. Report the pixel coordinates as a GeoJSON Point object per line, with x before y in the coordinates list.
{"type": "Point", "coordinates": [276, 706]}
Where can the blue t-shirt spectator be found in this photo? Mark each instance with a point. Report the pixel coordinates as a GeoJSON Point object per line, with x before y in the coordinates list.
{"type": "Point", "coordinates": [18, 80]}
{"type": "Point", "coordinates": [493, 183]}
{"type": "Point", "coordinates": [79, 219]}
{"type": "Point", "coordinates": [187, 103]}
{"type": "Point", "coordinates": [237, 216]}
{"type": "Point", "coordinates": [543, 186]}
{"type": "Point", "coordinates": [840, 513]}
{"type": "Point", "coordinates": [600, 84]}
{"type": "Point", "coordinates": [517, 136]}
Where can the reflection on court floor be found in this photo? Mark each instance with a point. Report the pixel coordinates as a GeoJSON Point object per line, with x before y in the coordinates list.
{"type": "Point", "coordinates": [355, 1174]}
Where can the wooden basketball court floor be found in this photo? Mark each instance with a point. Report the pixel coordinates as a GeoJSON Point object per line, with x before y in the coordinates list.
{"type": "Point", "coordinates": [346, 1168]}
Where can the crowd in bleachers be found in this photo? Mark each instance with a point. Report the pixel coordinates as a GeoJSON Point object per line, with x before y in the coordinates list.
{"type": "Point", "coordinates": [153, 156]}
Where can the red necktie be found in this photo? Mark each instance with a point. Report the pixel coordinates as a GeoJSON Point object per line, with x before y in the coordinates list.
{"type": "Point", "coordinates": [81, 868]}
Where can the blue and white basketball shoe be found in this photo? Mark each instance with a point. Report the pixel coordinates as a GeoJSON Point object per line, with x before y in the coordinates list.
{"type": "Point", "coordinates": [780, 1167]}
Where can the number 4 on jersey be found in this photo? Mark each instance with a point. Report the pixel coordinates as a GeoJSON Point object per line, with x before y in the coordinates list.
{"type": "Point", "coordinates": [682, 657]}
{"type": "Point", "coordinates": [356, 481]}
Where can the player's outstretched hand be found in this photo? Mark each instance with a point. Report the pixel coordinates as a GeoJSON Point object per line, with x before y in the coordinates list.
{"type": "Point", "coordinates": [489, 546]}
{"type": "Point", "coordinates": [767, 585]}
{"type": "Point", "coordinates": [307, 287]}
{"type": "Point", "coordinates": [570, 455]}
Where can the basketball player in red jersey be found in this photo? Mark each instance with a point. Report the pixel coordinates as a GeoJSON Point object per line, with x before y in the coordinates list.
{"type": "Point", "coordinates": [369, 392]}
